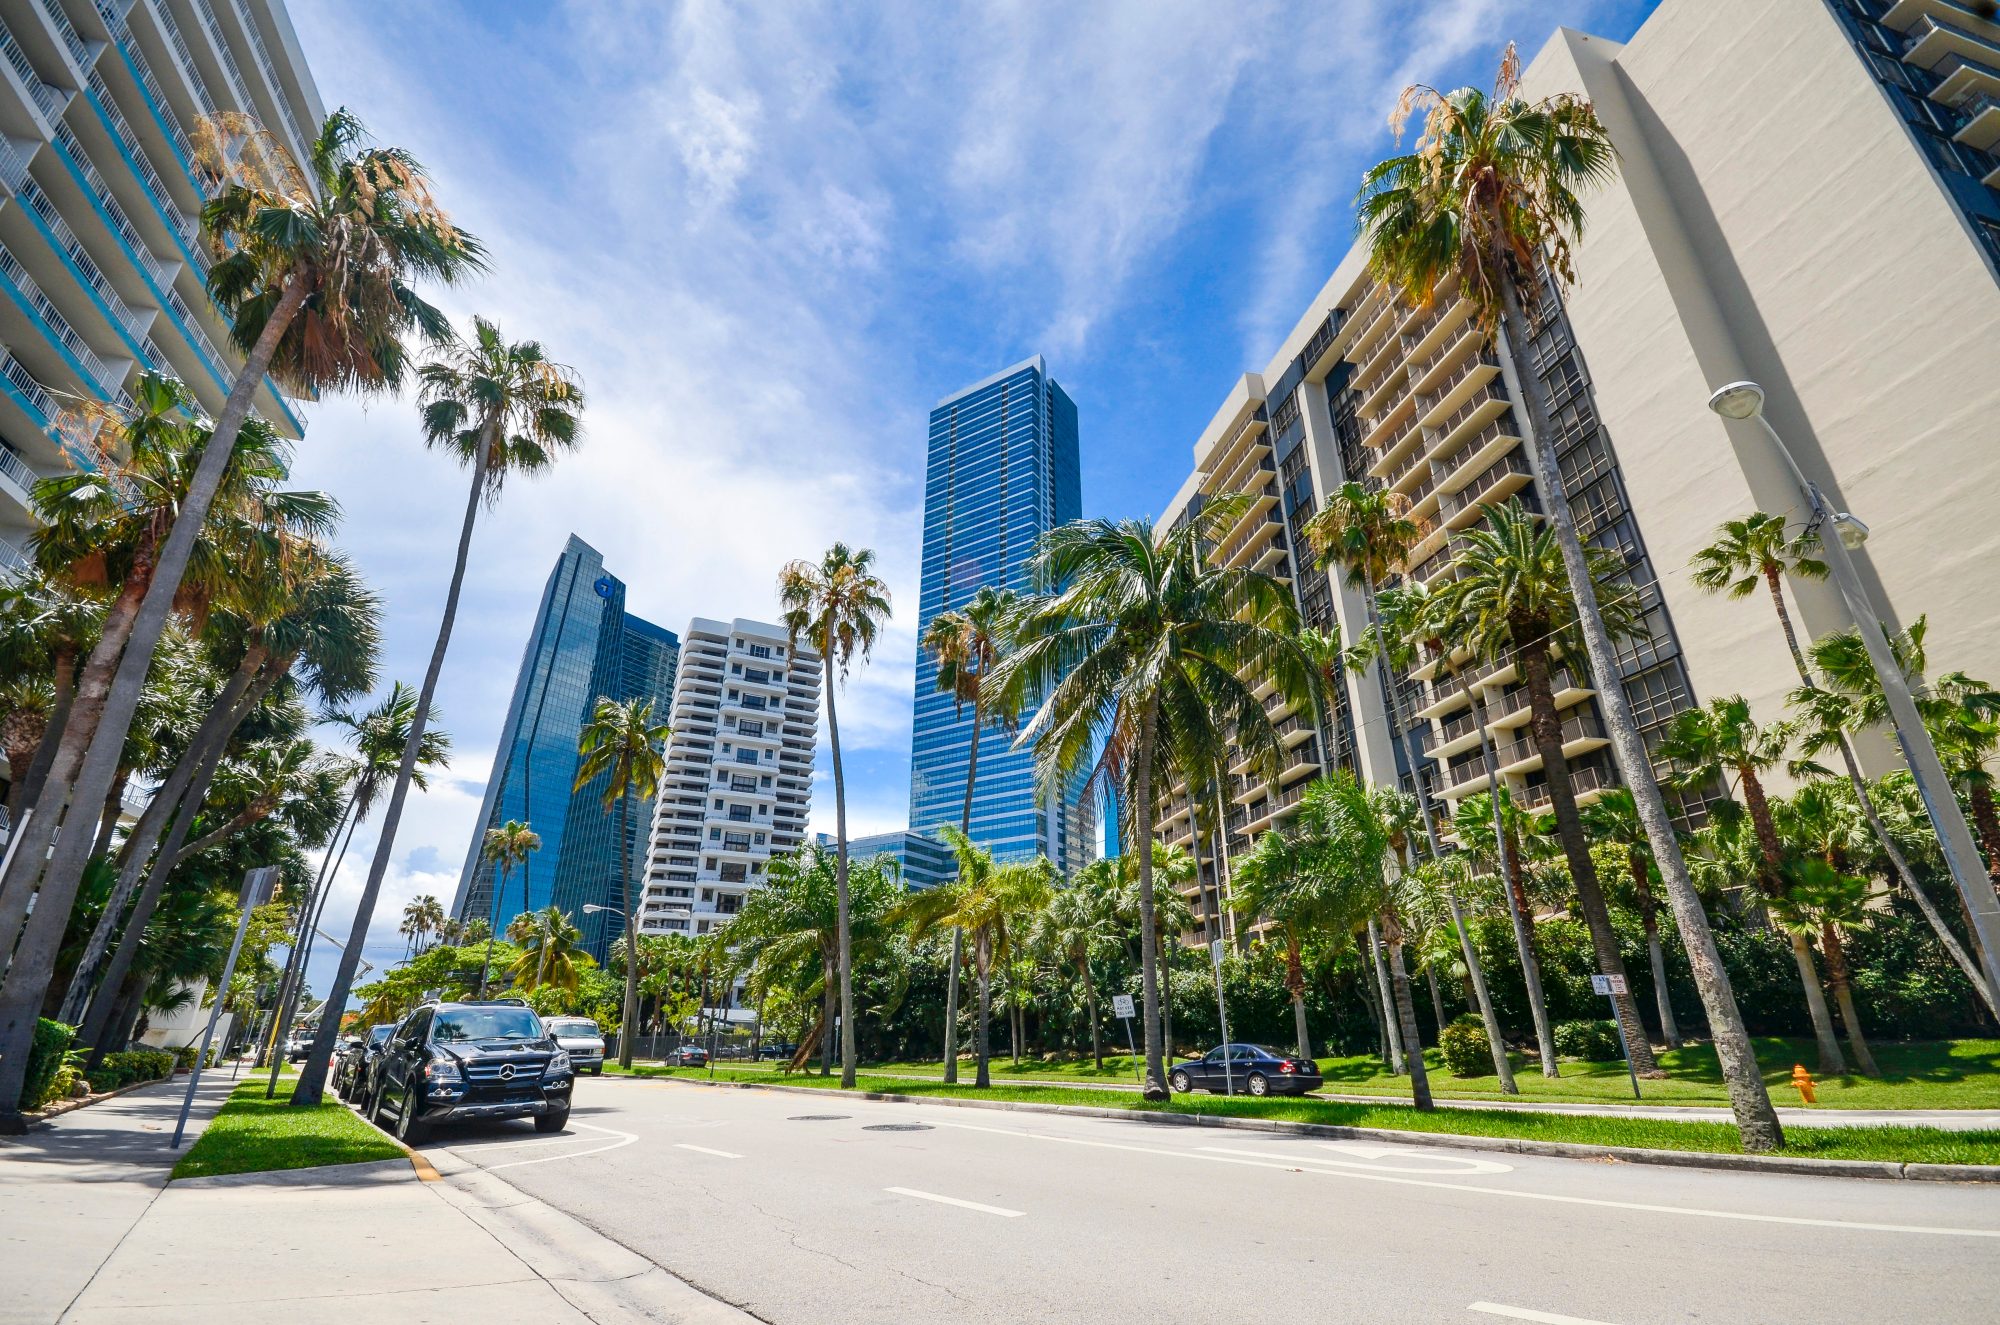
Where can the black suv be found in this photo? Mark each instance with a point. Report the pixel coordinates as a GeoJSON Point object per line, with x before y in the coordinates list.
{"type": "Point", "coordinates": [462, 1062]}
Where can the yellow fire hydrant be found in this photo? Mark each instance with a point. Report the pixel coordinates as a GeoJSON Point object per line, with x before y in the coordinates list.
{"type": "Point", "coordinates": [1802, 1079]}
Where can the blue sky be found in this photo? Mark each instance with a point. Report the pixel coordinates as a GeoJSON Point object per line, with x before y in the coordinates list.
{"type": "Point", "coordinates": [771, 236]}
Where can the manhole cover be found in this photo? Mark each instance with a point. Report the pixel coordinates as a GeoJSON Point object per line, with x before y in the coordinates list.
{"type": "Point", "coordinates": [820, 1117]}
{"type": "Point", "coordinates": [897, 1127]}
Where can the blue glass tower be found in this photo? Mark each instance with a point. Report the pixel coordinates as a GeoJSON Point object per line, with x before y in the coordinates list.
{"type": "Point", "coordinates": [583, 646]}
{"type": "Point", "coordinates": [1002, 471]}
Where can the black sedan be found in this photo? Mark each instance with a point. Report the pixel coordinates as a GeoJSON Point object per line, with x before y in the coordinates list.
{"type": "Point", "coordinates": [690, 1055]}
{"type": "Point", "coordinates": [1252, 1069]}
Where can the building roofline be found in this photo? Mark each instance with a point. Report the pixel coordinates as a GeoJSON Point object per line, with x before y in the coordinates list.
{"type": "Point", "coordinates": [1033, 361]}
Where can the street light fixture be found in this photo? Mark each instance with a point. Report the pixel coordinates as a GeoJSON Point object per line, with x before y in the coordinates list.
{"type": "Point", "coordinates": [1744, 402]}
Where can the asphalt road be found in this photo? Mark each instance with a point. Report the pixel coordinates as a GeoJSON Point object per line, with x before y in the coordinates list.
{"type": "Point", "coordinates": [807, 1208]}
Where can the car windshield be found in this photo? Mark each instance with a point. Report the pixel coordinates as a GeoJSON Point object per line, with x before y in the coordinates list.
{"type": "Point", "coordinates": [486, 1024]}
{"type": "Point", "coordinates": [573, 1028]}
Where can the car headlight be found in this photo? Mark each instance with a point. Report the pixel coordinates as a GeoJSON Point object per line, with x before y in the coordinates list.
{"type": "Point", "coordinates": [560, 1063]}
{"type": "Point", "coordinates": [442, 1071]}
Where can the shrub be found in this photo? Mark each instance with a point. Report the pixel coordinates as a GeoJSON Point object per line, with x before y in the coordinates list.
{"type": "Point", "coordinates": [1464, 1049]}
{"type": "Point", "coordinates": [45, 1060]}
{"type": "Point", "coordinates": [184, 1057]}
{"type": "Point", "coordinates": [1592, 1041]}
{"type": "Point", "coordinates": [131, 1065]}
{"type": "Point", "coordinates": [104, 1079]}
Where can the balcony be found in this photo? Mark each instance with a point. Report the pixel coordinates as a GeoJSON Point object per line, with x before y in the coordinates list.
{"type": "Point", "coordinates": [1510, 707]}
{"type": "Point", "coordinates": [1580, 734]}
{"type": "Point", "coordinates": [1463, 779]}
{"type": "Point", "coordinates": [1493, 486]}
{"type": "Point", "coordinates": [1963, 53]}
{"type": "Point", "coordinates": [1587, 782]}
{"type": "Point", "coordinates": [1980, 125]}
{"type": "Point", "coordinates": [1457, 388]}
{"type": "Point", "coordinates": [48, 99]}
{"type": "Point", "coordinates": [108, 379]}
{"type": "Point", "coordinates": [1320, 342]}
{"type": "Point", "coordinates": [11, 558]}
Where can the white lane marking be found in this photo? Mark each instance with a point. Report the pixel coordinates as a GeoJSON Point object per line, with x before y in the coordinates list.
{"type": "Point", "coordinates": [625, 1139]}
{"type": "Point", "coordinates": [953, 1200]}
{"type": "Point", "coordinates": [1472, 1166]}
{"type": "Point", "coordinates": [1525, 1313]}
{"type": "Point", "coordinates": [1357, 1176]}
{"type": "Point", "coordinates": [705, 1150]}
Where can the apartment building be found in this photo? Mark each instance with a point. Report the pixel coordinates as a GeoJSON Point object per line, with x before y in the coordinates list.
{"type": "Point", "coordinates": [738, 782]}
{"type": "Point", "coordinates": [1836, 243]}
{"type": "Point", "coordinates": [102, 265]}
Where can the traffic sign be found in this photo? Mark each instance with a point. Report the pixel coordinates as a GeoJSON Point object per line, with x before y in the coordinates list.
{"type": "Point", "coordinates": [1121, 1005]}
{"type": "Point", "coordinates": [1607, 984]}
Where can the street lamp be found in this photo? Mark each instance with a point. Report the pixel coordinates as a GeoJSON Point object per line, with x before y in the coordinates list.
{"type": "Point", "coordinates": [1744, 401]}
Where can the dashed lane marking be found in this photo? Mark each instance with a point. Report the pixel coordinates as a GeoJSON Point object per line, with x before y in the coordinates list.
{"type": "Point", "coordinates": [1528, 1313]}
{"type": "Point", "coordinates": [706, 1150]}
{"type": "Point", "coordinates": [1002, 1211]}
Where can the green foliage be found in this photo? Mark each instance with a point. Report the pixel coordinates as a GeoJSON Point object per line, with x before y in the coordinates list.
{"type": "Point", "coordinates": [1464, 1048]}
{"type": "Point", "coordinates": [252, 1134]}
{"type": "Point", "coordinates": [131, 1065]}
{"type": "Point", "coordinates": [1592, 1041]}
{"type": "Point", "coordinates": [45, 1062]}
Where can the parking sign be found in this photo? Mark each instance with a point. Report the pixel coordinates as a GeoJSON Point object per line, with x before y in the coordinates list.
{"type": "Point", "coordinates": [1121, 1005]}
{"type": "Point", "coordinates": [1607, 984]}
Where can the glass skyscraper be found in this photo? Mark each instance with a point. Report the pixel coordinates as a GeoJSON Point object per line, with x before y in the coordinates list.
{"type": "Point", "coordinates": [583, 646]}
{"type": "Point", "coordinates": [1002, 471]}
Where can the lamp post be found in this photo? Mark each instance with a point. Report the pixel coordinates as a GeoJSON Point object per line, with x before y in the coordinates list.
{"type": "Point", "coordinates": [1745, 401]}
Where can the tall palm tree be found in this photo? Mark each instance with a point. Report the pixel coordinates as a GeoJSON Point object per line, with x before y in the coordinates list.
{"type": "Point", "coordinates": [1614, 820]}
{"type": "Point", "coordinates": [1722, 740]}
{"type": "Point", "coordinates": [1139, 656]}
{"type": "Point", "coordinates": [505, 408]}
{"type": "Point", "coordinates": [1079, 924]}
{"type": "Point", "coordinates": [1822, 897]}
{"type": "Point", "coordinates": [1489, 197]}
{"type": "Point", "coordinates": [839, 605]}
{"type": "Point", "coordinates": [1514, 601]}
{"type": "Point", "coordinates": [988, 902]}
{"type": "Point", "coordinates": [505, 847]}
{"type": "Point", "coordinates": [966, 643]}
{"type": "Point", "coordinates": [46, 627]}
{"type": "Point", "coordinates": [622, 744]}
{"type": "Point", "coordinates": [1274, 884]}
{"type": "Point", "coordinates": [550, 945]}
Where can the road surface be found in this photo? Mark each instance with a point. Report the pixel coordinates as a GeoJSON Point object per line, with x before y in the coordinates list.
{"type": "Point", "coordinates": [818, 1208]}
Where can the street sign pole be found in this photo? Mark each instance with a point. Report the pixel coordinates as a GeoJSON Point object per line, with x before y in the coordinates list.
{"type": "Point", "coordinates": [1222, 1016]}
{"type": "Point", "coordinates": [1611, 986]}
{"type": "Point", "coordinates": [257, 886]}
{"type": "Point", "coordinates": [1121, 1008]}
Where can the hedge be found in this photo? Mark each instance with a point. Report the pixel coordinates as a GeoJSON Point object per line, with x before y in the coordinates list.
{"type": "Point", "coordinates": [45, 1060]}
{"type": "Point", "coordinates": [122, 1069]}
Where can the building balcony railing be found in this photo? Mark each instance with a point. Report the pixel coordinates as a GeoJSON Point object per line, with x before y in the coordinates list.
{"type": "Point", "coordinates": [79, 256]}
{"type": "Point", "coordinates": [58, 327]}
{"type": "Point", "coordinates": [1584, 779]}
{"type": "Point", "coordinates": [17, 470]}
{"type": "Point", "coordinates": [183, 225]}
{"type": "Point", "coordinates": [1322, 337]}
{"type": "Point", "coordinates": [1479, 401]}
{"type": "Point", "coordinates": [79, 51]}
{"type": "Point", "coordinates": [1473, 770]}
{"type": "Point", "coordinates": [1511, 467]}
{"type": "Point", "coordinates": [1479, 363]}
{"type": "Point", "coordinates": [48, 98]}
{"type": "Point", "coordinates": [12, 558]}
{"type": "Point", "coordinates": [1514, 699]}
{"type": "Point", "coordinates": [1582, 727]}
{"type": "Point", "coordinates": [184, 57]}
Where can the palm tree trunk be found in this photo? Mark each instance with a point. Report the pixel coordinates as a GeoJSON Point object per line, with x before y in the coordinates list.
{"type": "Point", "coordinates": [1987, 820]}
{"type": "Point", "coordinates": [107, 822]}
{"type": "Point", "coordinates": [957, 934]}
{"type": "Point", "coordinates": [1546, 725]}
{"type": "Point", "coordinates": [1649, 918]}
{"type": "Point", "coordinates": [1090, 1003]}
{"type": "Point", "coordinates": [1843, 997]}
{"type": "Point", "coordinates": [1772, 856]}
{"type": "Point", "coordinates": [1295, 985]}
{"type": "Point", "coordinates": [27, 788]}
{"type": "Point", "coordinates": [1518, 914]}
{"type": "Point", "coordinates": [1390, 1019]}
{"type": "Point", "coordinates": [1496, 1043]}
{"type": "Point", "coordinates": [630, 1014]}
{"type": "Point", "coordinates": [827, 678]}
{"type": "Point", "coordinates": [1750, 1101]}
{"type": "Point", "coordinates": [295, 965]}
{"type": "Point", "coordinates": [1406, 1012]}
{"type": "Point", "coordinates": [492, 932]}
{"type": "Point", "coordinates": [982, 963]}
{"type": "Point", "coordinates": [1155, 1086]}
{"type": "Point", "coordinates": [34, 959]}
{"type": "Point", "coordinates": [829, 983]}
{"type": "Point", "coordinates": [312, 1075]}
{"type": "Point", "coordinates": [1437, 999]}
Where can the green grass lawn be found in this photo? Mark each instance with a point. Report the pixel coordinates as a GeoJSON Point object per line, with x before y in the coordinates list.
{"type": "Point", "coordinates": [1955, 1074]}
{"type": "Point", "coordinates": [1906, 1144]}
{"type": "Point", "coordinates": [253, 1135]}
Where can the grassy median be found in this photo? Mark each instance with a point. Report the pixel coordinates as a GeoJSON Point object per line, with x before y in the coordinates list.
{"type": "Point", "coordinates": [254, 1135]}
{"type": "Point", "coordinates": [1926, 1145]}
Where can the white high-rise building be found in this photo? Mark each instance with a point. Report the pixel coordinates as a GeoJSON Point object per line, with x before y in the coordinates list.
{"type": "Point", "coordinates": [738, 781]}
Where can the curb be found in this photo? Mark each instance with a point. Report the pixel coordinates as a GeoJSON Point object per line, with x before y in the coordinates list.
{"type": "Point", "coordinates": [362, 1173]}
{"type": "Point", "coordinates": [43, 1116]}
{"type": "Point", "coordinates": [1685, 1159]}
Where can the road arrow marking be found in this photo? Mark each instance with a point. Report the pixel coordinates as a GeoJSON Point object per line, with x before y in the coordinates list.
{"type": "Point", "coordinates": [953, 1200]}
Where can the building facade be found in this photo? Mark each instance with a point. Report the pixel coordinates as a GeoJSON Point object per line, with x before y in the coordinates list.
{"type": "Point", "coordinates": [584, 646]}
{"type": "Point", "coordinates": [1002, 471]}
{"type": "Point", "coordinates": [1730, 246]}
{"type": "Point", "coordinates": [922, 860]}
{"type": "Point", "coordinates": [738, 782]}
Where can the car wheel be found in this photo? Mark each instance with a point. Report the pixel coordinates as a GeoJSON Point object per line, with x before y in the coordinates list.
{"type": "Point", "coordinates": [371, 1109]}
{"type": "Point", "coordinates": [1181, 1082]}
{"type": "Point", "coordinates": [410, 1130]}
{"type": "Point", "coordinates": [1258, 1084]}
{"type": "Point", "coordinates": [597, 1071]}
{"type": "Point", "coordinates": [552, 1122]}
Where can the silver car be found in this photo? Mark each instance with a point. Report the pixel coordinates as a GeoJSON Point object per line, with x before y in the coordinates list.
{"type": "Point", "coordinates": [583, 1041]}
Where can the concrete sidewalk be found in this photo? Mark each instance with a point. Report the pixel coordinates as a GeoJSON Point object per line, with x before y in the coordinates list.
{"type": "Point", "coordinates": [92, 1231]}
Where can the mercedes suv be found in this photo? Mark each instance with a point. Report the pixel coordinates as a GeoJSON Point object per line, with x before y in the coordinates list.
{"type": "Point", "coordinates": [467, 1062]}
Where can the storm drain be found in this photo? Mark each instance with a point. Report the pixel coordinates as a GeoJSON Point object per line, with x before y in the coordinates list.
{"type": "Point", "coordinates": [820, 1117]}
{"type": "Point", "coordinates": [897, 1127]}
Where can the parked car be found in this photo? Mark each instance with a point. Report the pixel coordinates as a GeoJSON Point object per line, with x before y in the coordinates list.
{"type": "Point", "coordinates": [584, 1042]}
{"type": "Point", "coordinates": [1253, 1069]}
{"type": "Point", "coordinates": [689, 1055]}
{"type": "Point", "coordinates": [355, 1056]}
{"type": "Point", "coordinates": [471, 1061]}
{"type": "Point", "coordinates": [300, 1046]}
{"type": "Point", "coordinates": [777, 1049]}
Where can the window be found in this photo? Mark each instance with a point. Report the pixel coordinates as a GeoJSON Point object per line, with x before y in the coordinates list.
{"type": "Point", "coordinates": [760, 650]}
{"type": "Point", "coordinates": [714, 834]}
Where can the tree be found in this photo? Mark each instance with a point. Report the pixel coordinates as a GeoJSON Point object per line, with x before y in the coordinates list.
{"type": "Point", "coordinates": [622, 744]}
{"type": "Point", "coordinates": [505, 408]}
{"type": "Point", "coordinates": [1273, 883]}
{"type": "Point", "coordinates": [967, 642]}
{"type": "Point", "coordinates": [1513, 599]}
{"type": "Point", "coordinates": [1614, 821]}
{"type": "Point", "coordinates": [1821, 897]}
{"type": "Point", "coordinates": [505, 847]}
{"type": "Point", "coordinates": [839, 604]}
{"type": "Point", "coordinates": [1138, 653]}
{"type": "Point", "coordinates": [1489, 197]}
{"type": "Point", "coordinates": [551, 953]}
{"type": "Point", "coordinates": [1712, 744]}
{"type": "Point", "coordinates": [1079, 924]}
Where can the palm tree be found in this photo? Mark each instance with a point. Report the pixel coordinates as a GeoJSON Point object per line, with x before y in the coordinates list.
{"type": "Point", "coordinates": [1821, 897]}
{"type": "Point", "coordinates": [1274, 884]}
{"type": "Point", "coordinates": [1514, 602]}
{"type": "Point", "coordinates": [506, 408]}
{"type": "Point", "coordinates": [988, 903]}
{"type": "Point", "coordinates": [505, 847]}
{"type": "Point", "coordinates": [1078, 924]}
{"type": "Point", "coordinates": [1614, 820]}
{"type": "Point", "coordinates": [550, 945]}
{"type": "Point", "coordinates": [1721, 740]}
{"type": "Point", "coordinates": [1138, 655]}
{"type": "Point", "coordinates": [622, 744]}
{"type": "Point", "coordinates": [313, 263]}
{"type": "Point", "coordinates": [1488, 197]}
{"type": "Point", "coordinates": [839, 605]}
{"type": "Point", "coordinates": [967, 642]}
